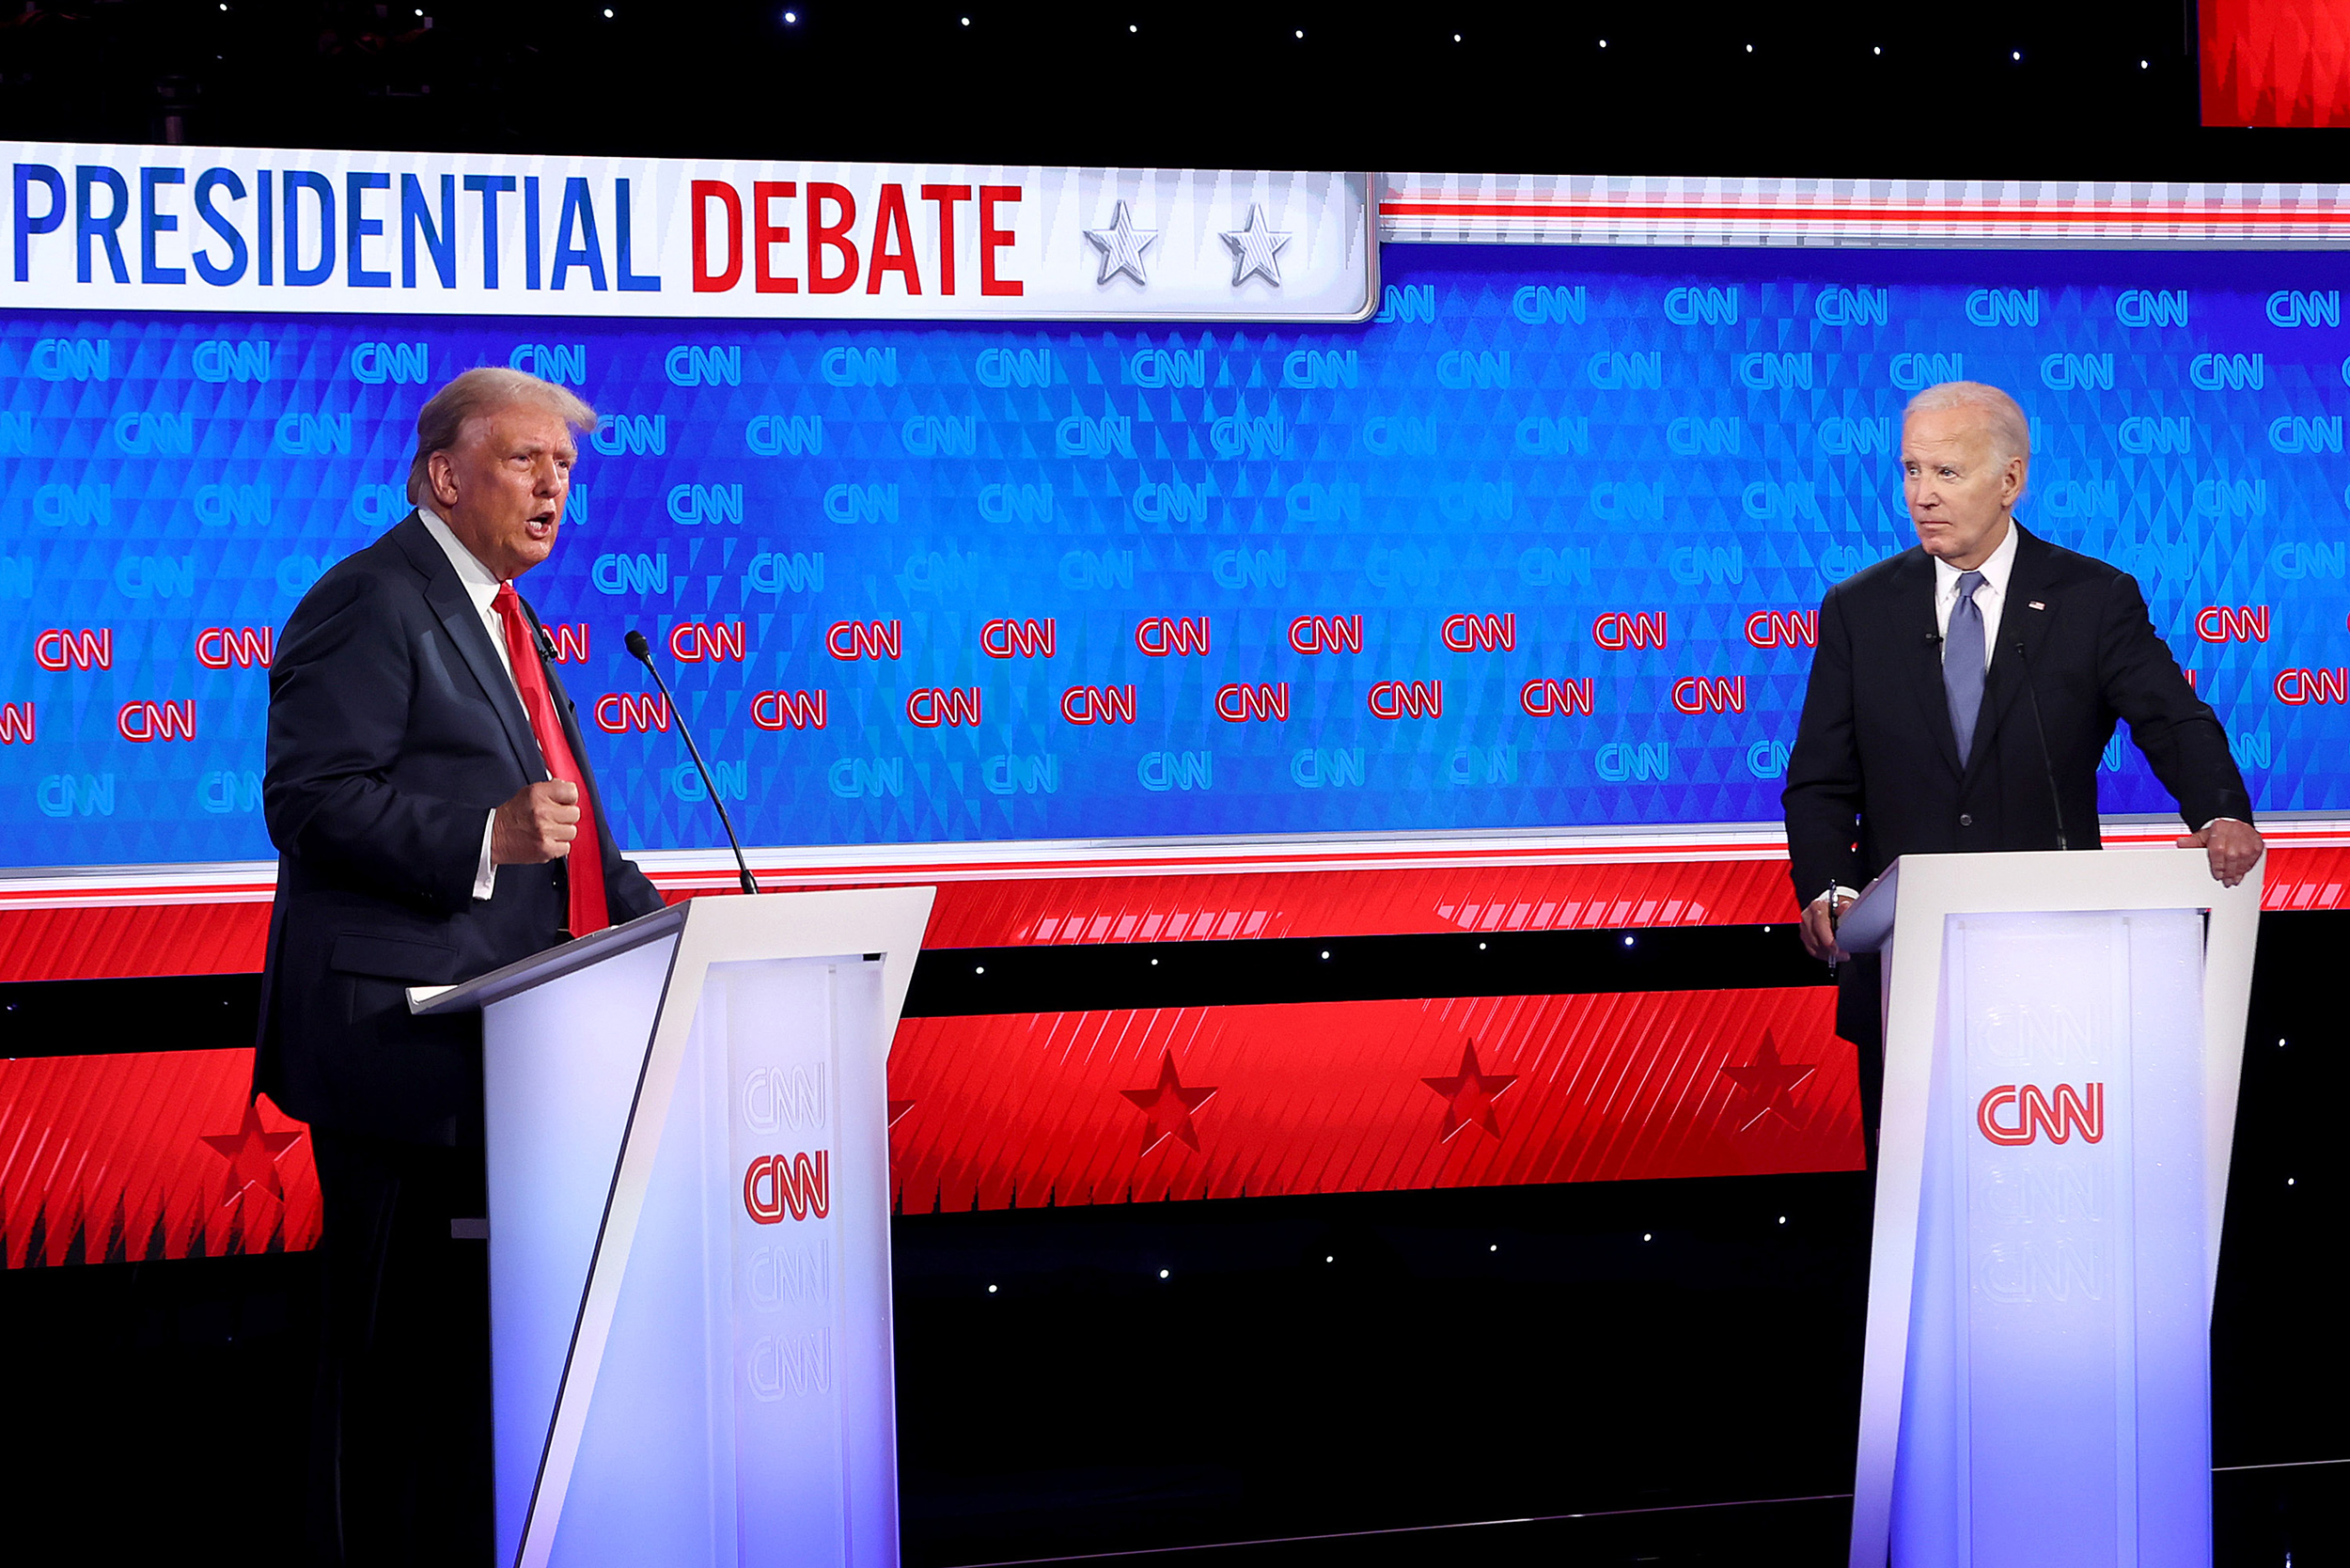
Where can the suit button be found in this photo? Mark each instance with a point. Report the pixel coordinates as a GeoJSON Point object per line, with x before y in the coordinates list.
{"type": "Point", "coordinates": [1966, 821]}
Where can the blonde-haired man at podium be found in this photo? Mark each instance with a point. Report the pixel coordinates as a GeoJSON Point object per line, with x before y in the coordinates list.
{"type": "Point", "coordinates": [1964, 691]}
{"type": "Point", "coordinates": [435, 819]}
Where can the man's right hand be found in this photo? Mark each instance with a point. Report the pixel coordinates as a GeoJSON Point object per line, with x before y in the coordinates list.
{"type": "Point", "coordinates": [537, 825]}
{"type": "Point", "coordinates": [1818, 931]}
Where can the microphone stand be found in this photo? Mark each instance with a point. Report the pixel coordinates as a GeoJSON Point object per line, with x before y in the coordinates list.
{"type": "Point", "coordinates": [2047, 767]}
{"type": "Point", "coordinates": [642, 651]}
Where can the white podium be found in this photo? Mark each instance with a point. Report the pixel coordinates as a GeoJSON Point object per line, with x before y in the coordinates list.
{"type": "Point", "coordinates": [689, 1233]}
{"type": "Point", "coordinates": [2063, 1035]}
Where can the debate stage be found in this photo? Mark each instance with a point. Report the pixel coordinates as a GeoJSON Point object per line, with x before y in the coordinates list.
{"type": "Point", "coordinates": [1322, 651]}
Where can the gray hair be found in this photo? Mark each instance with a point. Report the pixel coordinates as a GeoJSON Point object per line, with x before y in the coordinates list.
{"type": "Point", "coordinates": [481, 391]}
{"type": "Point", "coordinates": [2010, 430]}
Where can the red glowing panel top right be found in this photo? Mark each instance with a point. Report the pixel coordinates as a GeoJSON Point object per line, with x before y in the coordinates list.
{"type": "Point", "coordinates": [2276, 62]}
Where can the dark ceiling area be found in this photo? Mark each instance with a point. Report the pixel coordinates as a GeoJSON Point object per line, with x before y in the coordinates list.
{"type": "Point", "coordinates": [2000, 90]}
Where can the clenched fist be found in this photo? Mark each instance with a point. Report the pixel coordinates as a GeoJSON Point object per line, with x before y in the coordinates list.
{"type": "Point", "coordinates": [537, 825]}
{"type": "Point", "coordinates": [2234, 849]}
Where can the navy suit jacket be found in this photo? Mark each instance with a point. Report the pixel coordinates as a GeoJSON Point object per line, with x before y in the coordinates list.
{"type": "Point", "coordinates": [1875, 772]}
{"type": "Point", "coordinates": [393, 731]}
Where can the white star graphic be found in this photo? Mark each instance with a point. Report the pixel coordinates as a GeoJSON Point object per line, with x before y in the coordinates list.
{"type": "Point", "coordinates": [1256, 249]}
{"type": "Point", "coordinates": [1121, 245]}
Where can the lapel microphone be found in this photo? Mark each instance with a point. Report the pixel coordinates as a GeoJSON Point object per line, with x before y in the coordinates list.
{"type": "Point", "coordinates": [2047, 767]}
{"type": "Point", "coordinates": [641, 651]}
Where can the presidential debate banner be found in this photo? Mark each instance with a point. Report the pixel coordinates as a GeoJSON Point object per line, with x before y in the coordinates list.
{"type": "Point", "coordinates": [246, 229]}
{"type": "Point", "coordinates": [1541, 544]}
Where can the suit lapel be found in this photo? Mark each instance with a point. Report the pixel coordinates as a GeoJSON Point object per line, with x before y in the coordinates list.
{"type": "Point", "coordinates": [448, 600]}
{"type": "Point", "coordinates": [1919, 654]}
{"type": "Point", "coordinates": [2027, 585]}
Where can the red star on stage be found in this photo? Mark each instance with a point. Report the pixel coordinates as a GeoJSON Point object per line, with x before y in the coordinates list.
{"type": "Point", "coordinates": [252, 1155]}
{"type": "Point", "coordinates": [1768, 1083]}
{"type": "Point", "coordinates": [1167, 1106]}
{"type": "Point", "coordinates": [1470, 1097]}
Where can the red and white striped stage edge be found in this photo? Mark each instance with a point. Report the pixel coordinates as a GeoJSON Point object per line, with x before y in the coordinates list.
{"type": "Point", "coordinates": [212, 919]}
{"type": "Point", "coordinates": [875, 865]}
{"type": "Point", "coordinates": [1598, 210]}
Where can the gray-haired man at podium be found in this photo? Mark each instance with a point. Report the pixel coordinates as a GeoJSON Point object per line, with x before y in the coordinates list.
{"type": "Point", "coordinates": [1963, 692]}
{"type": "Point", "coordinates": [435, 819]}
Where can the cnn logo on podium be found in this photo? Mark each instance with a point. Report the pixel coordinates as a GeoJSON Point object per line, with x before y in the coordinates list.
{"type": "Point", "coordinates": [2013, 1115]}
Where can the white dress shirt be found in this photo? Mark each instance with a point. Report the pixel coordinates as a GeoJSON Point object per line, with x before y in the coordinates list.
{"type": "Point", "coordinates": [481, 586]}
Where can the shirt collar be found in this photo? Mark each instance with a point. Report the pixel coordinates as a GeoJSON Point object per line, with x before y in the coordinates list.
{"type": "Point", "coordinates": [481, 584]}
{"type": "Point", "coordinates": [1994, 569]}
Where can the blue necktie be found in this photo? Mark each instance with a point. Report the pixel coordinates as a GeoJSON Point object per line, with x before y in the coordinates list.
{"type": "Point", "coordinates": [1963, 662]}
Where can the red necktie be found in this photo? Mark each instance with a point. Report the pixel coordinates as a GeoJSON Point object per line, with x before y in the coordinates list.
{"type": "Point", "coordinates": [586, 862]}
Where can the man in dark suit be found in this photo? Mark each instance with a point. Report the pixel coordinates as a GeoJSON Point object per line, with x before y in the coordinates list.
{"type": "Point", "coordinates": [435, 819]}
{"type": "Point", "coordinates": [1964, 691]}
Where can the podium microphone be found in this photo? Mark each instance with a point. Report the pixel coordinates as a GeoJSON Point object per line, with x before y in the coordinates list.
{"type": "Point", "coordinates": [641, 651]}
{"type": "Point", "coordinates": [2047, 768]}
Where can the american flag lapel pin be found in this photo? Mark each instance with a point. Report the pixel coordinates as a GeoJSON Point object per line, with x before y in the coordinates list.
{"type": "Point", "coordinates": [2038, 606]}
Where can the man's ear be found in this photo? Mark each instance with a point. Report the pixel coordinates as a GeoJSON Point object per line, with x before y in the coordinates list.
{"type": "Point", "coordinates": [441, 478]}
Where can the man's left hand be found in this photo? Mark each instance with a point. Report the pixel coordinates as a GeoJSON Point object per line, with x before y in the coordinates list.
{"type": "Point", "coordinates": [2234, 848]}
